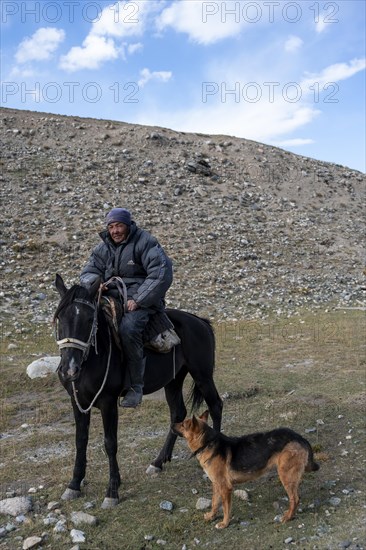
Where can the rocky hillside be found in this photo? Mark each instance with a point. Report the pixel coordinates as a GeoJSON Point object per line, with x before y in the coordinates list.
{"type": "Point", "coordinates": [250, 228]}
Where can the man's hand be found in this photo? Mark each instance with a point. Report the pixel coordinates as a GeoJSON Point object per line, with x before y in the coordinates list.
{"type": "Point", "coordinates": [131, 305]}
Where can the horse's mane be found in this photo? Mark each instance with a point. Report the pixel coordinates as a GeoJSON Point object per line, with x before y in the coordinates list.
{"type": "Point", "coordinates": [75, 291]}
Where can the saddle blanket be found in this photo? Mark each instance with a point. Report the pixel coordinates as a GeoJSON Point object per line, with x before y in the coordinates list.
{"type": "Point", "coordinates": [159, 333]}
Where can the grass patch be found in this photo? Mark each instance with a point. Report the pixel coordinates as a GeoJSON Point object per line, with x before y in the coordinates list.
{"type": "Point", "coordinates": [307, 373]}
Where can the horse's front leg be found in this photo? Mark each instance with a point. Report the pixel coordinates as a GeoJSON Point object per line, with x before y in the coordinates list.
{"type": "Point", "coordinates": [109, 412]}
{"type": "Point", "coordinates": [178, 412]}
{"type": "Point", "coordinates": [82, 422]}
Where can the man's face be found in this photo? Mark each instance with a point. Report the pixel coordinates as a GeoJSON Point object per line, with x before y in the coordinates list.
{"type": "Point", "coordinates": [118, 231]}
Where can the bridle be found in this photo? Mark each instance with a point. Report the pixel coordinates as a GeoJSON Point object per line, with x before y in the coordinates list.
{"type": "Point", "coordinates": [79, 344]}
{"type": "Point", "coordinates": [85, 348]}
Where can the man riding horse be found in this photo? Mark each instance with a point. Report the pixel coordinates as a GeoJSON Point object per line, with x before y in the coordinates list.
{"type": "Point", "coordinates": [134, 255]}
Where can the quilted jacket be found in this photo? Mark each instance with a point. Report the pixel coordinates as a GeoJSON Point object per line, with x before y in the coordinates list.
{"type": "Point", "coordinates": [140, 261]}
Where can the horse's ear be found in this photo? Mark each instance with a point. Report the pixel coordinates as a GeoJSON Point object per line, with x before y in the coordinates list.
{"type": "Point", "coordinates": [94, 287]}
{"type": "Point", "coordinates": [60, 285]}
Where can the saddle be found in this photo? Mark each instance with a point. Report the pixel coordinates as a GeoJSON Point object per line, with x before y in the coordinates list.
{"type": "Point", "coordinates": [159, 334]}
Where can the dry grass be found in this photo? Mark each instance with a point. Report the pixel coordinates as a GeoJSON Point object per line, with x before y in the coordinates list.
{"type": "Point", "coordinates": [307, 372]}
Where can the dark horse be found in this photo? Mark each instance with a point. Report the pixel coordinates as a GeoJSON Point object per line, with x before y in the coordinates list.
{"type": "Point", "coordinates": [92, 373]}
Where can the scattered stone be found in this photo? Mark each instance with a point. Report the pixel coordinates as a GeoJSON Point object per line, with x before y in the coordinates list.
{"type": "Point", "coordinates": [89, 505]}
{"type": "Point", "coordinates": [79, 518]}
{"type": "Point", "coordinates": [203, 503]}
{"type": "Point", "coordinates": [50, 519]}
{"type": "Point", "coordinates": [345, 544]}
{"type": "Point", "coordinates": [289, 540]}
{"type": "Point", "coordinates": [43, 367]}
{"type": "Point", "coordinates": [60, 526]}
{"type": "Point", "coordinates": [241, 494]}
{"type": "Point", "coordinates": [310, 430]}
{"type": "Point", "coordinates": [200, 167]}
{"type": "Point", "coordinates": [15, 506]}
{"type": "Point", "coordinates": [166, 505]}
{"type": "Point", "coordinates": [53, 505]}
{"type": "Point", "coordinates": [77, 536]}
{"type": "Point", "coordinates": [31, 542]}
{"type": "Point", "coordinates": [244, 523]}
{"type": "Point", "coordinates": [334, 501]}
{"type": "Point", "coordinates": [12, 347]}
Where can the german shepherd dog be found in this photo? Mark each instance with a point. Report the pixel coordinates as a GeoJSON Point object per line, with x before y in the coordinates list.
{"type": "Point", "coordinates": [231, 460]}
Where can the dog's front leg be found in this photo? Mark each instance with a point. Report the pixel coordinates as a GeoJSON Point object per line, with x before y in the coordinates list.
{"type": "Point", "coordinates": [214, 504]}
{"type": "Point", "coordinates": [225, 493]}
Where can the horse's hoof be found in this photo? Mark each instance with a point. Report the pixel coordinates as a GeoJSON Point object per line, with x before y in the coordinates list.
{"type": "Point", "coordinates": [70, 494]}
{"type": "Point", "coordinates": [109, 503]}
{"type": "Point", "coordinates": [153, 470]}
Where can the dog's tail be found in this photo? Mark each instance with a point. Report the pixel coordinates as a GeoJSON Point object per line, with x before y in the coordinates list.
{"type": "Point", "coordinates": [311, 466]}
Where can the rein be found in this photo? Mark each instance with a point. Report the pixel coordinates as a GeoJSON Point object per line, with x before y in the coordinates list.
{"type": "Point", "coordinates": [121, 287]}
{"type": "Point", "coordinates": [84, 411]}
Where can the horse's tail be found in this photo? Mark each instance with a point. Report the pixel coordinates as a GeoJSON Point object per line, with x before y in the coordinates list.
{"type": "Point", "coordinates": [195, 397]}
{"type": "Point", "coordinates": [212, 335]}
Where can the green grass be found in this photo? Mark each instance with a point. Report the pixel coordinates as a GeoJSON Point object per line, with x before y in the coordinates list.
{"type": "Point", "coordinates": [306, 372]}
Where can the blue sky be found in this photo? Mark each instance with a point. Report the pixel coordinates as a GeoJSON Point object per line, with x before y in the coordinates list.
{"type": "Point", "coordinates": [289, 74]}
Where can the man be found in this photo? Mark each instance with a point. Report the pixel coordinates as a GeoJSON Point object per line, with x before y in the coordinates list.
{"type": "Point", "coordinates": [133, 254]}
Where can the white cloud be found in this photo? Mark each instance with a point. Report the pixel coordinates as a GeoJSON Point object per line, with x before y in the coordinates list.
{"type": "Point", "coordinates": [133, 48]}
{"type": "Point", "coordinates": [121, 20]}
{"type": "Point", "coordinates": [293, 44]}
{"type": "Point", "coordinates": [333, 73]}
{"type": "Point", "coordinates": [17, 72]}
{"type": "Point", "coordinates": [322, 24]}
{"type": "Point", "coordinates": [271, 121]}
{"type": "Point", "coordinates": [147, 75]}
{"type": "Point", "coordinates": [262, 121]}
{"type": "Point", "coordinates": [296, 142]}
{"type": "Point", "coordinates": [40, 46]}
{"type": "Point", "coordinates": [204, 22]}
{"type": "Point", "coordinates": [94, 51]}
{"type": "Point", "coordinates": [326, 18]}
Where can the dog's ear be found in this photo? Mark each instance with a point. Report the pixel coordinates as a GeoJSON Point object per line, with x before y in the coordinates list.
{"type": "Point", "coordinates": [194, 422]}
{"type": "Point", "coordinates": [204, 416]}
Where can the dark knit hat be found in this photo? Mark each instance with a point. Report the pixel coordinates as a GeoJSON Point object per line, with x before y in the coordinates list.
{"type": "Point", "coordinates": [120, 215]}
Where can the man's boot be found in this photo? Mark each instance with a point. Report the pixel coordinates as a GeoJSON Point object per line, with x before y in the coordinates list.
{"type": "Point", "coordinates": [133, 397]}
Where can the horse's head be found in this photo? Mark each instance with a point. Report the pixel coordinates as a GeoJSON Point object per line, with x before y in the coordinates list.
{"type": "Point", "coordinates": [76, 325]}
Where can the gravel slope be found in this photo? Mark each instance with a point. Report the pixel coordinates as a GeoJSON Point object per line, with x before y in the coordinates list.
{"type": "Point", "coordinates": [251, 228]}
